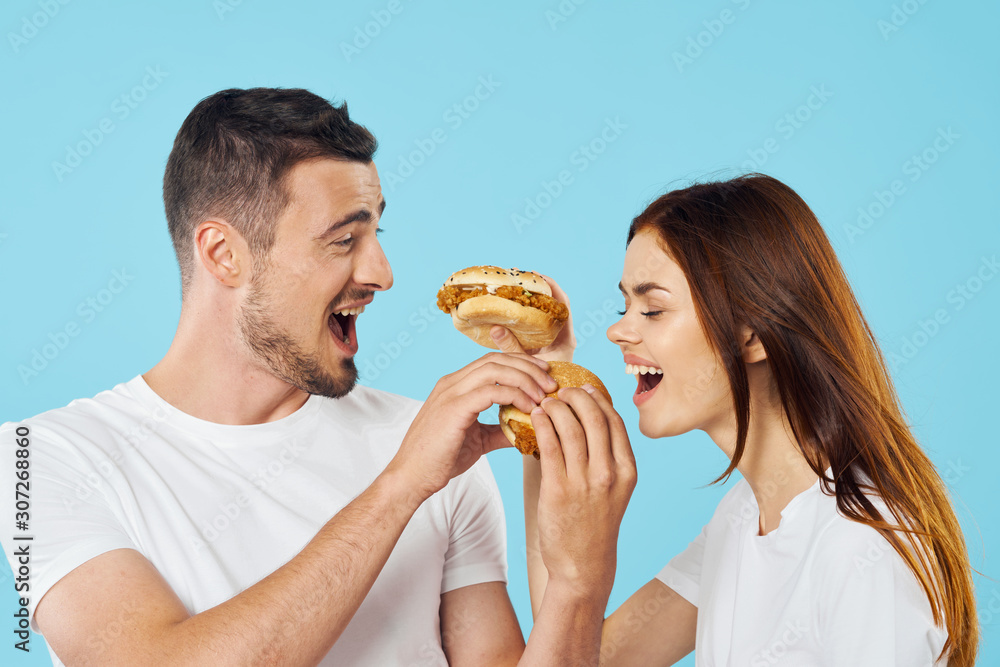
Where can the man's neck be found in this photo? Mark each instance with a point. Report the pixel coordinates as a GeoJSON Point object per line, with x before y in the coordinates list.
{"type": "Point", "coordinates": [207, 375]}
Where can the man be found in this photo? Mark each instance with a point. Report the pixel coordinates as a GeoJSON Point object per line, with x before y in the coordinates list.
{"type": "Point", "coordinates": [243, 502]}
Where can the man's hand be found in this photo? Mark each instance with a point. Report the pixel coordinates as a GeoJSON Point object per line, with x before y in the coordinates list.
{"type": "Point", "coordinates": [588, 475]}
{"type": "Point", "coordinates": [446, 438]}
{"type": "Point", "coordinates": [561, 348]}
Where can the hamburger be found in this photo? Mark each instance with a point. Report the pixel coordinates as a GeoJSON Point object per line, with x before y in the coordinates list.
{"type": "Point", "coordinates": [517, 426]}
{"type": "Point", "coordinates": [481, 296]}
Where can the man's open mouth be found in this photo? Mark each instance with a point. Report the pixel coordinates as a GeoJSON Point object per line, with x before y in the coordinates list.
{"type": "Point", "coordinates": [342, 326]}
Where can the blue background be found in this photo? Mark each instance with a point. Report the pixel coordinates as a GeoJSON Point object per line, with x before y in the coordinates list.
{"type": "Point", "coordinates": [887, 90]}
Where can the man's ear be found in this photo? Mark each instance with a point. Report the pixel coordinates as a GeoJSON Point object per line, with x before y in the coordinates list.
{"type": "Point", "coordinates": [222, 251]}
{"type": "Point", "coordinates": [753, 350]}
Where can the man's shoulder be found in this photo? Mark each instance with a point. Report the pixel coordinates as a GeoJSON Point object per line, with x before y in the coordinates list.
{"type": "Point", "coordinates": [102, 412]}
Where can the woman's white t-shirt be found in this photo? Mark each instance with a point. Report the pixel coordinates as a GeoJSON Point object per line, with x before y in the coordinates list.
{"type": "Point", "coordinates": [818, 590]}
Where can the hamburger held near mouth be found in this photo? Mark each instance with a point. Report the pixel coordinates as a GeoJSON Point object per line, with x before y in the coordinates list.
{"type": "Point", "coordinates": [517, 426]}
{"type": "Point", "coordinates": [479, 297]}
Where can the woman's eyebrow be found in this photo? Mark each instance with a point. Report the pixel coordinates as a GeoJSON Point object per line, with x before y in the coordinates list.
{"type": "Point", "coordinates": [644, 288]}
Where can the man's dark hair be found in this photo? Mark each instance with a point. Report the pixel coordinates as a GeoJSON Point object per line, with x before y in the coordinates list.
{"type": "Point", "coordinates": [233, 152]}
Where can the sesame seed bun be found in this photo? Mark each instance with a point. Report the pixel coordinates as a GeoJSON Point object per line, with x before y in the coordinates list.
{"type": "Point", "coordinates": [497, 276]}
{"type": "Point", "coordinates": [519, 300]}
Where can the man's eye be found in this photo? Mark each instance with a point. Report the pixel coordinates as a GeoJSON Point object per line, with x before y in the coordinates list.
{"type": "Point", "coordinates": [345, 241]}
{"type": "Point", "coordinates": [378, 231]}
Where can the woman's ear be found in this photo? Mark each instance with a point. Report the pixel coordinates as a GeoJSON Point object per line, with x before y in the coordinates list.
{"type": "Point", "coordinates": [753, 350]}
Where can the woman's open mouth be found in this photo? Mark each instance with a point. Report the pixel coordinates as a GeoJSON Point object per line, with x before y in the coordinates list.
{"type": "Point", "coordinates": [648, 378]}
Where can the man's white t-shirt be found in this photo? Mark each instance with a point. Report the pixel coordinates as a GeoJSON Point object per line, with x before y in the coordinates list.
{"type": "Point", "coordinates": [216, 508]}
{"type": "Point", "coordinates": [819, 590]}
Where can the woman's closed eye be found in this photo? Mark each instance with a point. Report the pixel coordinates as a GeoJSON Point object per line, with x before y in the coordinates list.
{"type": "Point", "coordinates": [648, 313]}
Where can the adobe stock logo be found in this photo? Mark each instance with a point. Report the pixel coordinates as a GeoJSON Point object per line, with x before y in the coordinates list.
{"type": "Point", "coordinates": [958, 297]}
{"type": "Point", "coordinates": [900, 16]}
{"type": "Point", "coordinates": [914, 169]}
{"type": "Point", "coordinates": [86, 311]}
{"type": "Point", "coordinates": [584, 156]}
{"type": "Point", "coordinates": [562, 12]}
{"type": "Point", "coordinates": [31, 25]}
{"type": "Point", "coordinates": [455, 116]}
{"type": "Point", "coordinates": [363, 35]}
{"type": "Point", "coordinates": [787, 126]}
{"type": "Point", "coordinates": [699, 43]}
{"type": "Point", "coordinates": [121, 107]}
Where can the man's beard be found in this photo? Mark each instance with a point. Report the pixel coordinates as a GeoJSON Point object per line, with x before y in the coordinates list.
{"type": "Point", "coordinates": [282, 356]}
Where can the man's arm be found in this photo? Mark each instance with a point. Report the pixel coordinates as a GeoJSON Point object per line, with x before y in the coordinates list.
{"type": "Point", "coordinates": [479, 627]}
{"type": "Point", "coordinates": [294, 615]}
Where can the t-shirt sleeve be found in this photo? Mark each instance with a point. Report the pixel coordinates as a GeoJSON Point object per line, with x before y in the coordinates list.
{"type": "Point", "coordinates": [871, 610]}
{"type": "Point", "coordinates": [70, 516]}
{"type": "Point", "coordinates": [683, 572]}
{"type": "Point", "coordinates": [477, 548]}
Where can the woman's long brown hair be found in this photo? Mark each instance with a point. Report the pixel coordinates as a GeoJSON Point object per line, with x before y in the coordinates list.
{"type": "Point", "coordinates": [755, 255]}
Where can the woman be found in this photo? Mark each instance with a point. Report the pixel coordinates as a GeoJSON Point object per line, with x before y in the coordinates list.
{"type": "Point", "coordinates": [839, 546]}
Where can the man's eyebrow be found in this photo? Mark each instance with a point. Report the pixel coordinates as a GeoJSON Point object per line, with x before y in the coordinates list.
{"type": "Point", "coordinates": [644, 288]}
{"type": "Point", "coordinates": [362, 215]}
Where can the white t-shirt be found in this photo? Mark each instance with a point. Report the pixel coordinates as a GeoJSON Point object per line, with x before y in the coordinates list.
{"type": "Point", "coordinates": [819, 590]}
{"type": "Point", "coordinates": [216, 508]}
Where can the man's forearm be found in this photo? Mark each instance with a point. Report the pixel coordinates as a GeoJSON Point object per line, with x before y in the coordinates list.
{"type": "Point", "coordinates": [567, 630]}
{"type": "Point", "coordinates": [295, 614]}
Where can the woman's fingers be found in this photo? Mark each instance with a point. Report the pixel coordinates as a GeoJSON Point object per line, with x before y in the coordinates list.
{"type": "Point", "coordinates": [506, 341]}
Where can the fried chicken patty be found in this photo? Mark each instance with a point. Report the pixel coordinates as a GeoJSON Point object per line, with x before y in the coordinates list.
{"type": "Point", "coordinates": [450, 296]}
{"type": "Point", "coordinates": [524, 438]}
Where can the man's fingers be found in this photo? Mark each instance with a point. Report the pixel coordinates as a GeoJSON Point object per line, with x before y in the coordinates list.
{"type": "Point", "coordinates": [595, 426]}
{"type": "Point", "coordinates": [571, 435]}
{"type": "Point", "coordinates": [515, 359]}
{"type": "Point", "coordinates": [511, 370]}
{"type": "Point", "coordinates": [495, 439]}
{"type": "Point", "coordinates": [484, 397]}
{"type": "Point", "coordinates": [621, 448]}
{"type": "Point", "coordinates": [549, 450]}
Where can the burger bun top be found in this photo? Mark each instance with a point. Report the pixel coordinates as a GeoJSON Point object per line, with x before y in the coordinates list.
{"type": "Point", "coordinates": [495, 276]}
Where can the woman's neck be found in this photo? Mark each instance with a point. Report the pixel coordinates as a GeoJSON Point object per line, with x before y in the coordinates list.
{"type": "Point", "coordinates": [772, 462]}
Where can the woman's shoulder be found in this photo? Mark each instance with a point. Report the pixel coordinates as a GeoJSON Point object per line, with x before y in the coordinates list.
{"type": "Point", "coordinates": [737, 505]}
{"type": "Point", "coordinates": [847, 552]}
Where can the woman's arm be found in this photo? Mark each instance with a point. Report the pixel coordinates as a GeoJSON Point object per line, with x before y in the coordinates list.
{"type": "Point", "coordinates": [655, 626]}
{"type": "Point", "coordinates": [538, 576]}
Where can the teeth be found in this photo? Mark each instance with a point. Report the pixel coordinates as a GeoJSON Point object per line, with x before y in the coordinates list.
{"type": "Point", "coordinates": [633, 369]}
{"type": "Point", "coordinates": [347, 341]}
{"type": "Point", "coordinates": [351, 311]}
